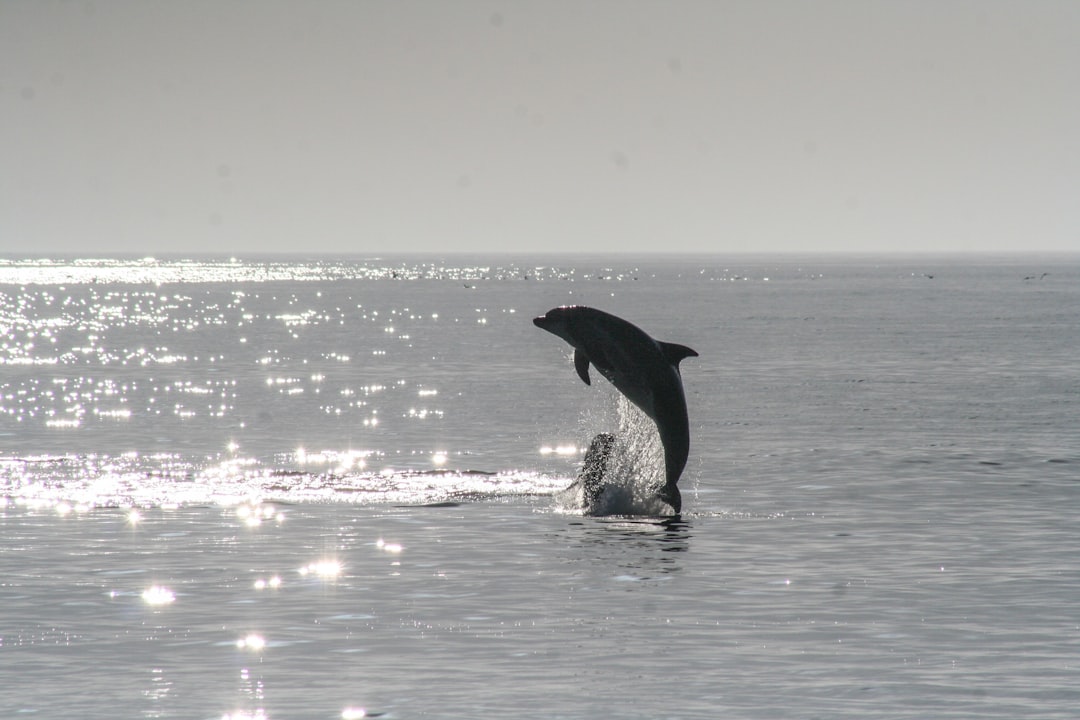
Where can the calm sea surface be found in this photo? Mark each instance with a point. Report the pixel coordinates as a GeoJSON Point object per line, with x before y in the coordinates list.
{"type": "Point", "coordinates": [331, 488]}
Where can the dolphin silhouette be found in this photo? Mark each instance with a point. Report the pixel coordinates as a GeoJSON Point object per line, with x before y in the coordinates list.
{"type": "Point", "coordinates": [645, 370]}
{"type": "Point", "coordinates": [593, 469]}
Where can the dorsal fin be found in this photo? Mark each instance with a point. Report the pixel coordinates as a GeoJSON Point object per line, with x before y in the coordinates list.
{"type": "Point", "coordinates": [581, 364]}
{"type": "Point", "coordinates": [675, 353]}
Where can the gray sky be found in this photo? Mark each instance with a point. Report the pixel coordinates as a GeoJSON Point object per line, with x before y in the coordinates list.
{"type": "Point", "coordinates": [376, 127]}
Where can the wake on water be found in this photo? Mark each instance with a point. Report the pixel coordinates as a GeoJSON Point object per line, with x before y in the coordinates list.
{"type": "Point", "coordinates": [634, 467]}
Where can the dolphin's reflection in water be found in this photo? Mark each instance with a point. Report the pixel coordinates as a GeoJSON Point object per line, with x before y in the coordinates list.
{"type": "Point", "coordinates": [641, 548]}
{"type": "Point", "coordinates": [668, 534]}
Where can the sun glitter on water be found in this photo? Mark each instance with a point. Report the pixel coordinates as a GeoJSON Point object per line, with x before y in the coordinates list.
{"type": "Point", "coordinates": [158, 595]}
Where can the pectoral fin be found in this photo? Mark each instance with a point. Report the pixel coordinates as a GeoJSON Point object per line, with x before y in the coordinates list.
{"type": "Point", "coordinates": [581, 364]}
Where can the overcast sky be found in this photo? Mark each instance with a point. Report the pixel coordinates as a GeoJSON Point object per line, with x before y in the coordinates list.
{"type": "Point", "coordinates": [377, 127]}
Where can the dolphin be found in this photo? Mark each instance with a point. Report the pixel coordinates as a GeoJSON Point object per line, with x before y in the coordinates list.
{"type": "Point", "coordinates": [593, 469]}
{"type": "Point", "coordinates": [645, 370]}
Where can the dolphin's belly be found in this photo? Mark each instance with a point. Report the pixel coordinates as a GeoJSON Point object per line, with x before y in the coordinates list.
{"type": "Point", "coordinates": [637, 390]}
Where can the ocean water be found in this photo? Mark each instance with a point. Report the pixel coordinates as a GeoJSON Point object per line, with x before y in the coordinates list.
{"type": "Point", "coordinates": [334, 488]}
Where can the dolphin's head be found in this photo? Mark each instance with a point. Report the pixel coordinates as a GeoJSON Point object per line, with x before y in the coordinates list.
{"type": "Point", "coordinates": [558, 321]}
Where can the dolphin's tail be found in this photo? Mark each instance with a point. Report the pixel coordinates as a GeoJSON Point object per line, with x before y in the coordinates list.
{"type": "Point", "coordinates": [675, 437]}
{"type": "Point", "coordinates": [670, 494]}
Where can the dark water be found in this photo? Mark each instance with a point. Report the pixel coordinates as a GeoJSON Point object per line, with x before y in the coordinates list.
{"type": "Point", "coordinates": [881, 504]}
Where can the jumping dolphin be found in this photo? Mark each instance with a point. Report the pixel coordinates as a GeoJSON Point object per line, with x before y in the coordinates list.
{"type": "Point", "coordinates": [645, 370]}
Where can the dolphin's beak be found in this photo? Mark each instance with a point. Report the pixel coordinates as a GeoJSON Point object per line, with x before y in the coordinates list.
{"type": "Point", "coordinates": [541, 322]}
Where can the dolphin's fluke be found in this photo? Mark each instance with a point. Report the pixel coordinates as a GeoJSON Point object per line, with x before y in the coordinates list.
{"type": "Point", "coordinates": [670, 494]}
{"type": "Point", "coordinates": [581, 364]}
